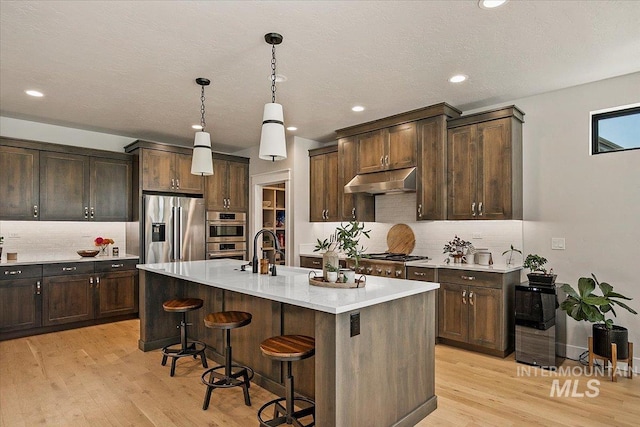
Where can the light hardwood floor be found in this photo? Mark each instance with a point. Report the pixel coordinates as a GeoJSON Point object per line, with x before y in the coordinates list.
{"type": "Point", "coordinates": [97, 376]}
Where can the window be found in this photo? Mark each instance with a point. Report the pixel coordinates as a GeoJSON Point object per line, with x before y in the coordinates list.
{"type": "Point", "coordinates": [615, 130]}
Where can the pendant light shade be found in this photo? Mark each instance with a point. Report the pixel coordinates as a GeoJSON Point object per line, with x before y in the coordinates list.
{"type": "Point", "coordinates": [201, 161]}
{"type": "Point", "coordinates": [273, 145]}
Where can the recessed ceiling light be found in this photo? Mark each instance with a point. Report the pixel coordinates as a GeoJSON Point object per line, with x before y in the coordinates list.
{"type": "Point", "coordinates": [292, 128]}
{"type": "Point", "coordinates": [197, 127]}
{"type": "Point", "coordinates": [491, 4]}
{"type": "Point", "coordinates": [34, 93]}
{"type": "Point", "coordinates": [357, 108]}
{"type": "Point", "coordinates": [458, 78]}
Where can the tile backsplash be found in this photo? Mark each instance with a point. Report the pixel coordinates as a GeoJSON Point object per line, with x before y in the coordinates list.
{"type": "Point", "coordinates": [431, 236]}
{"type": "Point", "coordinates": [62, 237]}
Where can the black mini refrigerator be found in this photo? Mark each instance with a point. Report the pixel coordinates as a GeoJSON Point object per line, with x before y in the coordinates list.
{"type": "Point", "coordinates": [540, 325]}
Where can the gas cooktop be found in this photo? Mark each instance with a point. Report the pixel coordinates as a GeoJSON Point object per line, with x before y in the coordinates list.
{"type": "Point", "coordinates": [387, 256]}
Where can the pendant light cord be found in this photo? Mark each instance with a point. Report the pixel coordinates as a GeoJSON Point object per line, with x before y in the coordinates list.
{"type": "Point", "coordinates": [273, 73]}
{"type": "Point", "coordinates": [202, 122]}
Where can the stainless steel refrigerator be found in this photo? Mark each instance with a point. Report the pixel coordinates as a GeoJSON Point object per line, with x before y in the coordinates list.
{"type": "Point", "coordinates": [173, 229]}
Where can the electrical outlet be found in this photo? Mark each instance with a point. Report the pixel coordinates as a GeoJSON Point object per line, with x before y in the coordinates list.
{"type": "Point", "coordinates": [477, 235]}
{"type": "Point", "coordinates": [14, 235]}
{"type": "Point", "coordinates": [355, 324]}
{"type": "Point", "coordinates": [557, 243]}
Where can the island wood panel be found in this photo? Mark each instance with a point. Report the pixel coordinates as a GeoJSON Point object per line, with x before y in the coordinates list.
{"type": "Point", "coordinates": [403, 380]}
{"type": "Point", "coordinates": [213, 301]}
{"type": "Point", "coordinates": [300, 321]}
{"type": "Point", "coordinates": [157, 327]}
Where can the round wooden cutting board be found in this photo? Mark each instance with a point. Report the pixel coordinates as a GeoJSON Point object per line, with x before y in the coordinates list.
{"type": "Point", "coordinates": [400, 239]}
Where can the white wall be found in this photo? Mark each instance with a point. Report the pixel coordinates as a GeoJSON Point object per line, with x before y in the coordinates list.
{"type": "Point", "coordinates": [591, 201]}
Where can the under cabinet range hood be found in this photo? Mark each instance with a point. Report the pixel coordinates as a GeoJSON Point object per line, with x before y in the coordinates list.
{"type": "Point", "coordinates": [393, 181]}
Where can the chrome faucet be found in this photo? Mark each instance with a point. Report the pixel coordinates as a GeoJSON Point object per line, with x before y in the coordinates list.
{"type": "Point", "coordinates": [254, 261]}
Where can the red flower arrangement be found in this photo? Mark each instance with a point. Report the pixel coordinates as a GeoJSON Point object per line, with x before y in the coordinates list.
{"type": "Point", "coordinates": [102, 241]}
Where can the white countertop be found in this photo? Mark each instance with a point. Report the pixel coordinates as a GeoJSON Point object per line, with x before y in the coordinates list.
{"type": "Point", "coordinates": [53, 258]}
{"type": "Point", "coordinates": [497, 268]}
{"type": "Point", "coordinates": [291, 285]}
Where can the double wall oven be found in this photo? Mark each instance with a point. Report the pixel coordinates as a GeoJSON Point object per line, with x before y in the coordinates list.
{"type": "Point", "coordinates": [226, 235]}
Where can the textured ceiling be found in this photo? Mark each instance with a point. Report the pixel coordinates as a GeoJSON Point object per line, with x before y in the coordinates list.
{"type": "Point", "coordinates": [128, 67]}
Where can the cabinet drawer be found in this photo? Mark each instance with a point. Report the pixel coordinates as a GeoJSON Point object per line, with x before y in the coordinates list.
{"type": "Point", "coordinates": [20, 272]}
{"type": "Point", "coordinates": [470, 277]}
{"type": "Point", "coordinates": [115, 265]}
{"type": "Point", "coordinates": [423, 274]}
{"type": "Point", "coordinates": [310, 262]}
{"type": "Point", "coordinates": [66, 268]}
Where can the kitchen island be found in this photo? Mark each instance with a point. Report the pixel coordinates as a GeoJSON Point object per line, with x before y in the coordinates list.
{"type": "Point", "coordinates": [374, 360]}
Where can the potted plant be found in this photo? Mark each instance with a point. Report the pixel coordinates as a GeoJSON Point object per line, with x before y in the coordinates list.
{"type": "Point", "coordinates": [332, 272]}
{"type": "Point", "coordinates": [348, 238]}
{"type": "Point", "coordinates": [539, 276]}
{"type": "Point", "coordinates": [584, 304]}
{"type": "Point", "coordinates": [457, 248]}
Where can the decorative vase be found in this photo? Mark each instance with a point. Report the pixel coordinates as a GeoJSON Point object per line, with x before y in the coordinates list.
{"type": "Point", "coordinates": [104, 250]}
{"type": "Point", "coordinates": [330, 258]}
{"type": "Point", "coordinates": [332, 276]}
{"type": "Point", "coordinates": [349, 276]}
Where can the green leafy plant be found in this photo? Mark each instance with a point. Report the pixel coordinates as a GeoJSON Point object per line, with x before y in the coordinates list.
{"type": "Point", "coordinates": [535, 263]}
{"type": "Point", "coordinates": [333, 268]}
{"type": "Point", "coordinates": [456, 246]}
{"type": "Point", "coordinates": [348, 238]}
{"type": "Point", "coordinates": [584, 304]}
{"type": "Point", "coordinates": [329, 244]}
{"type": "Point", "coordinates": [510, 252]}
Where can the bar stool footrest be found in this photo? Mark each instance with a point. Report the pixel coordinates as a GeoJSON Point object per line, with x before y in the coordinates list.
{"type": "Point", "coordinates": [280, 413]}
{"type": "Point", "coordinates": [224, 381]}
{"type": "Point", "coordinates": [194, 348]}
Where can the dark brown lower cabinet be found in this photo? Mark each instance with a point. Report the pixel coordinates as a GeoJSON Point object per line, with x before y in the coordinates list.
{"type": "Point", "coordinates": [117, 293]}
{"type": "Point", "coordinates": [20, 304]}
{"type": "Point", "coordinates": [475, 310]}
{"type": "Point", "coordinates": [67, 299]}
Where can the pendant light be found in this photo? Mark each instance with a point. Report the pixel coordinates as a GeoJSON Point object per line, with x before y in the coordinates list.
{"type": "Point", "coordinates": [201, 162]}
{"type": "Point", "coordinates": [273, 145]}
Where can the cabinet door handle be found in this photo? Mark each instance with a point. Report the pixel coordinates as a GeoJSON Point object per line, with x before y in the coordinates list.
{"type": "Point", "coordinates": [91, 282]}
{"type": "Point", "coordinates": [326, 215]}
{"type": "Point", "coordinates": [480, 209]}
{"type": "Point", "coordinates": [93, 212]}
{"type": "Point", "coordinates": [463, 277]}
{"type": "Point", "coordinates": [381, 160]}
{"type": "Point", "coordinates": [419, 274]}
{"type": "Point", "coordinates": [38, 288]}
{"type": "Point", "coordinates": [420, 210]}
{"type": "Point", "coordinates": [471, 297]}
{"type": "Point", "coordinates": [177, 182]}
{"type": "Point", "coordinates": [117, 265]}
{"type": "Point", "coordinates": [464, 297]}
{"type": "Point", "coordinates": [173, 183]}
{"type": "Point", "coordinates": [386, 160]}
{"type": "Point", "coordinates": [228, 203]}
{"type": "Point", "coordinates": [86, 212]}
{"type": "Point", "coordinates": [473, 209]}
{"type": "Point", "coordinates": [13, 272]}
{"type": "Point", "coordinates": [69, 268]}
{"type": "Point", "coordinates": [97, 282]}
{"type": "Point", "coordinates": [353, 213]}
{"type": "Point", "coordinates": [35, 211]}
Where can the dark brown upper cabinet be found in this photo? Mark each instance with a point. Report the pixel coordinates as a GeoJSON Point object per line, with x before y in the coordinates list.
{"type": "Point", "coordinates": [387, 149]}
{"type": "Point", "coordinates": [485, 165]}
{"type": "Point", "coordinates": [360, 207]}
{"type": "Point", "coordinates": [169, 172]}
{"type": "Point", "coordinates": [324, 191]}
{"type": "Point", "coordinates": [61, 183]}
{"type": "Point", "coordinates": [228, 188]}
{"type": "Point", "coordinates": [19, 183]}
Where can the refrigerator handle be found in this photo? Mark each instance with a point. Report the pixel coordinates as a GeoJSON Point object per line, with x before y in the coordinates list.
{"type": "Point", "coordinates": [174, 251]}
{"type": "Point", "coordinates": [179, 233]}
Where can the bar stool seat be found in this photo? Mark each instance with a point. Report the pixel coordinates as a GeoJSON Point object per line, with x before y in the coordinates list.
{"type": "Point", "coordinates": [185, 347]}
{"type": "Point", "coordinates": [288, 348]}
{"type": "Point", "coordinates": [227, 320]}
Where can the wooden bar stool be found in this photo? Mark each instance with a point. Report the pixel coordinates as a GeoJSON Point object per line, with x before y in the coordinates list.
{"type": "Point", "coordinates": [613, 359]}
{"type": "Point", "coordinates": [227, 320]}
{"type": "Point", "coordinates": [186, 348]}
{"type": "Point", "coordinates": [288, 348]}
